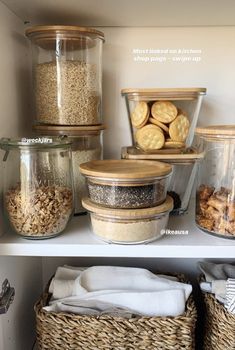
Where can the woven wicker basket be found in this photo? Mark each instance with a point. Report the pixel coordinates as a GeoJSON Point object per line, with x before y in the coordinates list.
{"type": "Point", "coordinates": [219, 326]}
{"type": "Point", "coordinates": [68, 331]}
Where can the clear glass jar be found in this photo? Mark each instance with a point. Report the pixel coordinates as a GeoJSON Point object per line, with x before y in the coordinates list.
{"type": "Point", "coordinates": [127, 184]}
{"type": "Point", "coordinates": [163, 119]}
{"type": "Point", "coordinates": [134, 226]}
{"type": "Point", "coordinates": [87, 145]}
{"type": "Point", "coordinates": [215, 203]}
{"type": "Point", "coordinates": [67, 73]}
{"type": "Point", "coordinates": [37, 186]}
{"type": "Point", "coordinates": [184, 170]}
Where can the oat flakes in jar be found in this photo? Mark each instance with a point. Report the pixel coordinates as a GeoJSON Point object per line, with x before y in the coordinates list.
{"type": "Point", "coordinates": [87, 145]}
{"type": "Point", "coordinates": [215, 203]}
{"type": "Point", "coordinates": [37, 186]}
{"type": "Point", "coordinates": [67, 69]}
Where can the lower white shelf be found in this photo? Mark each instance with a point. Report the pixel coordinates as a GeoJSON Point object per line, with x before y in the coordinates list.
{"type": "Point", "coordinates": [78, 241]}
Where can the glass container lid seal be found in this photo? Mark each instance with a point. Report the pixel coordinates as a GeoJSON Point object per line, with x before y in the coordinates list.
{"type": "Point", "coordinates": [216, 131]}
{"type": "Point", "coordinates": [38, 142]}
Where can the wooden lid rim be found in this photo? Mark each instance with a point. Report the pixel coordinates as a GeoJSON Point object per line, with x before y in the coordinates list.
{"type": "Point", "coordinates": [165, 207]}
{"type": "Point", "coordinates": [125, 169]}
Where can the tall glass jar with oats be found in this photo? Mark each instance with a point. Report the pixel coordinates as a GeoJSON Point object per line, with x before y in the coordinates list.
{"type": "Point", "coordinates": [67, 74]}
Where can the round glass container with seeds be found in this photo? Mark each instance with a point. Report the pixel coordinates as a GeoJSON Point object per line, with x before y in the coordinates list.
{"type": "Point", "coordinates": [67, 73]}
{"type": "Point", "coordinates": [129, 226]}
{"type": "Point", "coordinates": [87, 145]}
{"type": "Point", "coordinates": [128, 184]}
{"type": "Point", "coordinates": [37, 186]}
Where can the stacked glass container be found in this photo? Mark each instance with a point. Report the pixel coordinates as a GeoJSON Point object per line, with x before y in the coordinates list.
{"type": "Point", "coordinates": [67, 75]}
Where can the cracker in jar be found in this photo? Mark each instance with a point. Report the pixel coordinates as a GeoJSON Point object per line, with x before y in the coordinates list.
{"type": "Point", "coordinates": [179, 128]}
{"type": "Point", "coordinates": [161, 125]}
{"type": "Point", "coordinates": [150, 137]}
{"type": "Point", "coordinates": [173, 144]}
{"type": "Point", "coordinates": [164, 111]}
{"type": "Point", "coordinates": [140, 115]}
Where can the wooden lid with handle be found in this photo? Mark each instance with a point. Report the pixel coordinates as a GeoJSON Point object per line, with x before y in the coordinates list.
{"type": "Point", "coordinates": [125, 169]}
{"type": "Point", "coordinates": [165, 207]}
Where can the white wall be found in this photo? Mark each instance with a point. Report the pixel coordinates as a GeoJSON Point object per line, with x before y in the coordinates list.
{"type": "Point", "coordinates": [17, 329]}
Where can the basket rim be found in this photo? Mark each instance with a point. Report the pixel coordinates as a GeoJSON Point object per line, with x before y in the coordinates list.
{"type": "Point", "coordinates": [190, 309]}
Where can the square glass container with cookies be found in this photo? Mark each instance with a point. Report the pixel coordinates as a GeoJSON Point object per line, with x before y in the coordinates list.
{"type": "Point", "coordinates": [215, 204]}
{"type": "Point", "coordinates": [163, 120]}
{"type": "Point", "coordinates": [184, 171]}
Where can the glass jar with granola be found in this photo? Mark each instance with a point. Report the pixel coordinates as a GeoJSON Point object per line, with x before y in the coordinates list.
{"type": "Point", "coordinates": [215, 203]}
{"type": "Point", "coordinates": [37, 186]}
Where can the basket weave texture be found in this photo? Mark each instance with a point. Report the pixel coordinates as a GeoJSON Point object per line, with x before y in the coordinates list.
{"type": "Point", "coordinates": [64, 331]}
{"type": "Point", "coordinates": [219, 327]}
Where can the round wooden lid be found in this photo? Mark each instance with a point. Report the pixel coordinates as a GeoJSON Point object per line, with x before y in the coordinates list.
{"type": "Point", "coordinates": [167, 206]}
{"type": "Point", "coordinates": [125, 169]}
{"type": "Point", "coordinates": [69, 130]}
{"type": "Point", "coordinates": [190, 155]}
{"type": "Point", "coordinates": [57, 29]}
{"type": "Point", "coordinates": [216, 130]}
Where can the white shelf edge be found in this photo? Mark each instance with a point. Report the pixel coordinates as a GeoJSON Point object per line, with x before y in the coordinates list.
{"type": "Point", "coordinates": [78, 241]}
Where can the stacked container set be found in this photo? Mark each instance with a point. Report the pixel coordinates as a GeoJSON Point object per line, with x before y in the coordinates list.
{"type": "Point", "coordinates": [61, 172]}
{"type": "Point", "coordinates": [52, 176]}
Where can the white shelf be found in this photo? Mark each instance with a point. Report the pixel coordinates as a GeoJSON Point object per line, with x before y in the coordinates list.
{"type": "Point", "coordinates": [78, 241]}
{"type": "Point", "coordinates": [125, 13]}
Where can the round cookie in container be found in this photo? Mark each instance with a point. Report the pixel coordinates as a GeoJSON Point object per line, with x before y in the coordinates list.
{"type": "Point", "coordinates": [215, 201]}
{"type": "Point", "coordinates": [129, 226]}
{"type": "Point", "coordinates": [163, 120]}
{"type": "Point", "coordinates": [127, 184]}
{"type": "Point", "coordinates": [184, 170]}
{"type": "Point", "coordinates": [87, 145]}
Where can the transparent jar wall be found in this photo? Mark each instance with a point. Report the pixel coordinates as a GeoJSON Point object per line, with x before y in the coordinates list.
{"type": "Point", "coordinates": [181, 184]}
{"type": "Point", "coordinates": [215, 208]}
{"type": "Point", "coordinates": [129, 231]}
{"type": "Point", "coordinates": [67, 79]}
{"type": "Point", "coordinates": [114, 195]}
{"type": "Point", "coordinates": [190, 106]}
{"type": "Point", "coordinates": [84, 149]}
{"type": "Point", "coordinates": [38, 191]}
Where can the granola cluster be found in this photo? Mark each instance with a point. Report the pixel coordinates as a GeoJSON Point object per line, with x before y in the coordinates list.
{"type": "Point", "coordinates": [40, 212]}
{"type": "Point", "coordinates": [216, 210]}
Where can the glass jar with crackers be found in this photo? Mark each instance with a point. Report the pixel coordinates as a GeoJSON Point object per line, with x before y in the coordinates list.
{"type": "Point", "coordinates": [215, 204]}
{"type": "Point", "coordinates": [163, 120]}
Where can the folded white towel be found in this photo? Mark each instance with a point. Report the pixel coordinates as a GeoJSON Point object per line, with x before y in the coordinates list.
{"type": "Point", "coordinates": [105, 287]}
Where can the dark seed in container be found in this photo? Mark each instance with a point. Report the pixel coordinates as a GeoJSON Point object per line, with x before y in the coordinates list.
{"type": "Point", "coordinates": [127, 197]}
{"type": "Point", "coordinates": [176, 199]}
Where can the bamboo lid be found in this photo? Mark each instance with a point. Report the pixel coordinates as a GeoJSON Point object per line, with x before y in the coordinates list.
{"type": "Point", "coordinates": [190, 155]}
{"type": "Point", "coordinates": [164, 93]}
{"type": "Point", "coordinates": [216, 131]}
{"type": "Point", "coordinates": [69, 130]}
{"type": "Point", "coordinates": [125, 169]}
{"type": "Point", "coordinates": [61, 29]}
{"type": "Point", "coordinates": [167, 206]}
